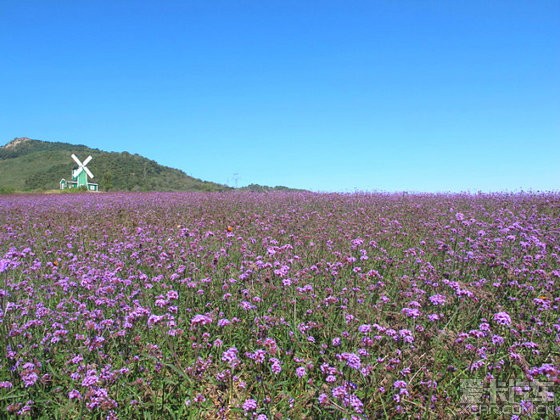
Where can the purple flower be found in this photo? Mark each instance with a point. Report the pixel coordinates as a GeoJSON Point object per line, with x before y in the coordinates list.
{"type": "Point", "coordinates": [364, 329]}
{"type": "Point", "coordinates": [476, 365]}
{"type": "Point", "coordinates": [527, 406]}
{"type": "Point", "coordinates": [351, 359]}
{"type": "Point", "coordinates": [74, 395]}
{"type": "Point", "coordinates": [29, 378]}
{"type": "Point", "coordinates": [437, 299]}
{"type": "Point", "coordinates": [172, 295]}
{"type": "Point", "coordinates": [502, 318]}
{"type": "Point", "coordinates": [26, 408]}
{"type": "Point", "coordinates": [301, 372]}
{"type": "Point", "coordinates": [411, 312]}
{"type": "Point", "coordinates": [356, 404]}
{"type": "Point", "coordinates": [406, 335]}
{"type": "Point", "coordinates": [340, 392]}
{"type": "Point", "coordinates": [275, 365]}
{"type": "Point", "coordinates": [247, 305]}
{"type": "Point", "coordinates": [497, 340]}
{"type": "Point", "coordinates": [90, 380]}
{"type": "Point", "coordinates": [230, 356]}
{"type": "Point", "coordinates": [250, 405]}
{"type": "Point", "coordinates": [223, 322]}
{"type": "Point", "coordinates": [200, 320]}
{"type": "Point", "coordinates": [400, 384]}
{"type": "Point", "coordinates": [258, 356]}
{"type": "Point", "coordinates": [77, 359]}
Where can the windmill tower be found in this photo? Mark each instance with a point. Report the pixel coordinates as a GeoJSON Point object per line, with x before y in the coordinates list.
{"type": "Point", "coordinates": [80, 175]}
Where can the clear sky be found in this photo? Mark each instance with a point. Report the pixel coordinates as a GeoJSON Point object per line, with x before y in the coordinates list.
{"type": "Point", "coordinates": [324, 95]}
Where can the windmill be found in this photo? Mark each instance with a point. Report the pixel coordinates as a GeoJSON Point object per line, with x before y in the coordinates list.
{"type": "Point", "coordinates": [80, 176]}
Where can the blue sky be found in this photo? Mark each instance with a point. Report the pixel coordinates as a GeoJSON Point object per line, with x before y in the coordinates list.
{"type": "Point", "coordinates": [324, 95]}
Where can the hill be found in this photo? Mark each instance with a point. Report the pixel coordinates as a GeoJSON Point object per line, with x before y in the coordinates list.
{"type": "Point", "coordinates": [35, 165]}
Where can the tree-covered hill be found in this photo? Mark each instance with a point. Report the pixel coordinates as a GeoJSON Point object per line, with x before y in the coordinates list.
{"type": "Point", "coordinates": [35, 165]}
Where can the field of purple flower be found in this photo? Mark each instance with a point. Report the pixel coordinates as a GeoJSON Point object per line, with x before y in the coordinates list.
{"type": "Point", "coordinates": [276, 306]}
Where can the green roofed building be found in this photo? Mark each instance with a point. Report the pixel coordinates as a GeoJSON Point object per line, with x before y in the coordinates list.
{"type": "Point", "coordinates": [80, 175]}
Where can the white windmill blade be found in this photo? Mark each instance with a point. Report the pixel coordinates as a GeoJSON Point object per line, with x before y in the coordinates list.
{"type": "Point", "coordinates": [88, 171]}
{"type": "Point", "coordinates": [88, 159]}
{"type": "Point", "coordinates": [73, 156]}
